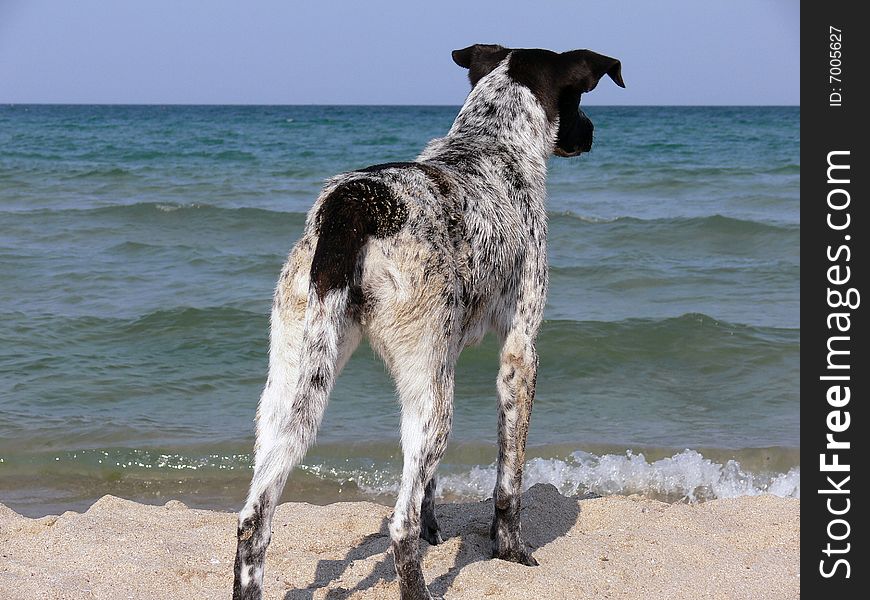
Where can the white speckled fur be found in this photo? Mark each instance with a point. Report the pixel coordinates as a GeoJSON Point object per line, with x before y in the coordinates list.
{"type": "Point", "coordinates": [465, 262]}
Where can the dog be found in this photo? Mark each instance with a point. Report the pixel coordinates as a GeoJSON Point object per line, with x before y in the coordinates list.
{"type": "Point", "coordinates": [424, 258]}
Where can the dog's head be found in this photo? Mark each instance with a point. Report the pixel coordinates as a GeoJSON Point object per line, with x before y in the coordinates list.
{"type": "Point", "coordinates": [556, 79]}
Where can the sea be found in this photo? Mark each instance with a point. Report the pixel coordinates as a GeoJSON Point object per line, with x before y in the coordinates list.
{"type": "Point", "coordinates": [140, 245]}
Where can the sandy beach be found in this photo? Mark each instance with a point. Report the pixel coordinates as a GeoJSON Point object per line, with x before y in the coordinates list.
{"type": "Point", "coordinates": [614, 547]}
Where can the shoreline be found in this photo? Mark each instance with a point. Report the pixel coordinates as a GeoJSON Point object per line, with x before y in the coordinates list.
{"type": "Point", "coordinates": [618, 547]}
{"type": "Point", "coordinates": [51, 482]}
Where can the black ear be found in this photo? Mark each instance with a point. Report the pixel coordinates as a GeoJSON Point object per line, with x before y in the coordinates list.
{"type": "Point", "coordinates": [587, 68]}
{"type": "Point", "coordinates": [479, 59]}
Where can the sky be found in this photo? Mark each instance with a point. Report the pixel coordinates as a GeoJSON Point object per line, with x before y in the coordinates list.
{"type": "Point", "coordinates": [673, 52]}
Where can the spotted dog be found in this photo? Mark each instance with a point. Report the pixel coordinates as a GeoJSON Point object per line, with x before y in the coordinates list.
{"type": "Point", "coordinates": [424, 258]}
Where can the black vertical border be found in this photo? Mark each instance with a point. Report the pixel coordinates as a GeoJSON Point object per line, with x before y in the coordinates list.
{"type": "Point", "coordinates": [826, 128]}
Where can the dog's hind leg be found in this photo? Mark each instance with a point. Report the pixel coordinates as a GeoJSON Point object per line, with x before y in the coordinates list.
{"type": "Point", "coordinates": [310, 342]}
{"type": "Point", "coordinates": [516, 387]}
{"type": "Point", "coordinates": [424, 379]}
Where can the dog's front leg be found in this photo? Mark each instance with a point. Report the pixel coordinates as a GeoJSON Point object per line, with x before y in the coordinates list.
{"type": "Point", "coordinates": [516, 387]}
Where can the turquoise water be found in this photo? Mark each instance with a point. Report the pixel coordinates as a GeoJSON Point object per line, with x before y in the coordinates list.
{"type": "Point", "coordinates": [139, 247]}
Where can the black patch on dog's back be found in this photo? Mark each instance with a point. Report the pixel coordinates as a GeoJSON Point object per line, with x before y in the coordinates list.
{"type": "Point", "coordinates": [385, 166]}
{"type": "Point", "coordinates": [352, 212]}
{"type": "Point", "coordinates": [433, 173]}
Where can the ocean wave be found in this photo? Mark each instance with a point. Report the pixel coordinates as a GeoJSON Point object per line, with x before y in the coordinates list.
{"type": "Point", "coordinates": [225, 318]}
{"type": "Point", "coordinates": [670, 328]}
{"type": "Point", "coordinates": [670, 241]}
{"type": "Point", "coordinates": [703, 274]}
{"type": "Point", "coordinates": [146, 155]}
{"type": "Point", "coordinates": [139, 248]}
{"type": "Point", "coordinates": [661, 335]}
{"type": "Point", "coordinates": [577, 349]}
{"type": "Point", "coordinates": [789, 169]}
{"type": "Point", "coordinates": [710, 224]}
{"type": "Point", "coordinates": [569, 349]}
{"type": "Point", "coordinates": [651, 348]}
{"type": "Point", "coordinates": [590, 219]}
{"type": "Point", "coordinates": [102, 172]}
{"type": "Point", "coordinates": [683, 476]}
{"type": "Point", "coordinates": [686, 475]}
{"type": "Point", "coordinates": [148, 213]}
{"type": "Point", "coordinates": [717, 223]}
{"type": "Point", "coordinates": [199, 209]}
{"type": "Point", "coordinates": [187, 330]}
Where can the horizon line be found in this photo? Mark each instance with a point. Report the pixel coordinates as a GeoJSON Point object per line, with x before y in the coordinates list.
{"type": "Point", "coordinates": [235, 104]}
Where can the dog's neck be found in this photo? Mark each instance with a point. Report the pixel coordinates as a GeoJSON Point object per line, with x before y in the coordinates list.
{"type": "Point", "coordinates": [502, 114]}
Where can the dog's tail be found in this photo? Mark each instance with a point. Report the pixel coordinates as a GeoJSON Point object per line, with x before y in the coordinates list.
{"type": "Point", "coordinates": [352, 213]}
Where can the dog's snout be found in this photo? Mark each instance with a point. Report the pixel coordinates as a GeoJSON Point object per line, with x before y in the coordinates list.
{"type": "Point", "coordinates": [575, 136]}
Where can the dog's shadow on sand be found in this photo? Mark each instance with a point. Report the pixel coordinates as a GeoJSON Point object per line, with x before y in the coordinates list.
{"type": "Point", "coordinates": [546, 515]}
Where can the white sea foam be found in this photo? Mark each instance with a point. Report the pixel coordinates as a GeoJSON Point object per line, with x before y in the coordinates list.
{"type": "Point", "coordinates": [686, 475]}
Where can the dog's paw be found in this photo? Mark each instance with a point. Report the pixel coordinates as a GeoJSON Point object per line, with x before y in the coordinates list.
{"type": "Point", "coordinates": [432, 535]}
{"type": "Point", "coordinates": [517, 555]}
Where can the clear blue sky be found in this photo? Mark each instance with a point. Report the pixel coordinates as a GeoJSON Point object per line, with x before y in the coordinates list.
{"type": "Point", "coordinates": [384, 51]}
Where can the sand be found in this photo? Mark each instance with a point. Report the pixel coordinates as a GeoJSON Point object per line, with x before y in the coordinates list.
{"type": "Point", "coordinates": [615, 547]}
